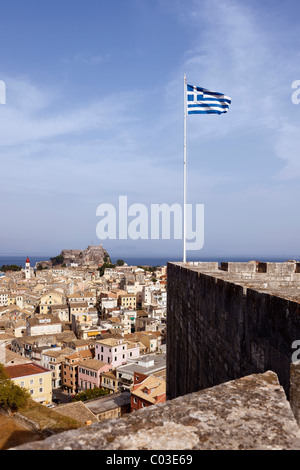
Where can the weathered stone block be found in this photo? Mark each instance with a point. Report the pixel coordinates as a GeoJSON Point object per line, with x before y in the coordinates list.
{"type": "Point", "coordinates": [245, 414]}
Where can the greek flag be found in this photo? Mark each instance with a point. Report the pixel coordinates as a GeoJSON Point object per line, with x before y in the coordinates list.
{"type": "Point", "coordinates": [202, 101]}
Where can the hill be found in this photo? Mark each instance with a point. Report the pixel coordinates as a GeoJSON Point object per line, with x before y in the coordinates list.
{"type": "Point", "coordinates": [93, 255]}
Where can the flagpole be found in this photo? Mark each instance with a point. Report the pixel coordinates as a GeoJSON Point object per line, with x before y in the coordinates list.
{"type": "Point", "coordinates": [184, 168]}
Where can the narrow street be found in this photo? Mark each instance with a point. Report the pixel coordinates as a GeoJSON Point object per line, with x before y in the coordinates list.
{"type": "Point", "coordinates": [58, 394]}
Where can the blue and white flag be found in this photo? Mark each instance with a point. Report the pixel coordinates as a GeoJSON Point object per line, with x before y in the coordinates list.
{"type": "Point", "coordinates": [202, 101]}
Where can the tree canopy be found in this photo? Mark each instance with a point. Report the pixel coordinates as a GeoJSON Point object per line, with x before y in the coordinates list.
{"type": "Point", "coordinates": [57, 260]}
{"type": "Point", "coordinates": [89, 394]}
{"type": "Point", "coordinates": [12, 396]}
{"type": "Point", "coordinates": [104, 266]}
{"type": "Point", "coordinates": [10, 267]}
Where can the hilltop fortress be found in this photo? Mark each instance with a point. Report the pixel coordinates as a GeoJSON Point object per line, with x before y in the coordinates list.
{"type": "Point", "coordinates": [93, 255]}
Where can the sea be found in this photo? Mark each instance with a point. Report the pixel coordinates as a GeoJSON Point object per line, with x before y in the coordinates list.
{"type": "Point", "coordinates": [19, 259]}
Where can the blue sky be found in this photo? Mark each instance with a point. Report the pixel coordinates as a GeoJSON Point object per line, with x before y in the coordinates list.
{"type": "Point", "coordinates": [94, 110]}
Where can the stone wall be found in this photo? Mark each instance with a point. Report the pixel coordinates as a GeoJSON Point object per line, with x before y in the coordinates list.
{"type": "Point", "coordinates": [251, 413]}
{"type": "Point", "coordinates": [222, 325]}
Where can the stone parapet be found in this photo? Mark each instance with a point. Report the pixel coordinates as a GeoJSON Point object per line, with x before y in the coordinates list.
{"type": "Point", "coordinates": [251, 413]}
{"type": "Point", "coordinates": [221, 326]}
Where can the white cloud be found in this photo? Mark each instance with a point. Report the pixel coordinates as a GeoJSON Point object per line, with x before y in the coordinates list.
{"type": "Point", "coordinates": [29, 114]}
{"type": "Point", "coordinates": [235, 53]}
{"type": "Point", "coordinates": [81, 58]}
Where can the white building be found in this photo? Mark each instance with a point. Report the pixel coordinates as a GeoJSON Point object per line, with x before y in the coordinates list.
{"type": "Point", "coordinates": [3, 299]}
{"type": "Point", "coordinates": [43, 325]}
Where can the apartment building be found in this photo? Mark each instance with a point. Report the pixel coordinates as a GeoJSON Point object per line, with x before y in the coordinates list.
{"type": "Point", "coordinates": [112, 351]}
{"type": "Point", "coordinates": [33, 377]}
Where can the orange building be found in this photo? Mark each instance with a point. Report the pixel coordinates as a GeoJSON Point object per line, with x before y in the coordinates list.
{"type": "Point", "coordinates": [70, 369]}
{"type": "Point", "coordinates": [147, 390]}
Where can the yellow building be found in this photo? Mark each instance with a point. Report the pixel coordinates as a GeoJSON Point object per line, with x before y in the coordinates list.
{"type": "Point", "coordinates": [49, 299]}
{"type": "Point", "coordinates": [14, 299]}
{"type": "Point", "coordinates": [36, 379]}
{"type": "Point", "coordinates": [11, 299]}
{"type": "Point", "coordinates": [109, 381]}
{"type": "Point", "coordinates": [127, 301]}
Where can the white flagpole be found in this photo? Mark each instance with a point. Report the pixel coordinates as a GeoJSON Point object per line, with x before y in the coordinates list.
{"type": "Point", "coordinates": [184, 169]}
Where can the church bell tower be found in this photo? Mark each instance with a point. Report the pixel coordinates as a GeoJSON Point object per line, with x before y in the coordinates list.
{"type": "Point", "coordinates": [27, 268]}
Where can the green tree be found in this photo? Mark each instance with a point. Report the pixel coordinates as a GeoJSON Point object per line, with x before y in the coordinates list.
{"type": "Point", "coordinates": [89, 394]}
{"type": "Point", "coordinates": [120, 262]}
{"type": "Point", "coordinates": [11, 267]}
{"type": "Point", "coordinates": [3, 374]}
{"type": "Point", "coordinates": [12, 396]}
{"type": "Point", "coordinates": [57, 260]}
{"type": "Point", "coordinates": [151, 269]}
{"type": "Point", "coordinates": [104, 266]}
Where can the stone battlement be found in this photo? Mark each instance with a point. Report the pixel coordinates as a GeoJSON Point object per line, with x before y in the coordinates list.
{"type": "Point", "coordinates": [222, 326]}
{"type": "Point", "coordinates": [281, 279]}
{"type": "Point", "coordinates": [251, 413]}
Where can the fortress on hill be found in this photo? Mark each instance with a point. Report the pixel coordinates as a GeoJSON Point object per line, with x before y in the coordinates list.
{"type": "Point", "coordinates": [233, 374]}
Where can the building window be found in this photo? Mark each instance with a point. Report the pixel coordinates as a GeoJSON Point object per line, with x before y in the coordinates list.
{"type": "Point", "coordinates": [134, 400]}
{"type": "Point", "coordinates": [41, 390]}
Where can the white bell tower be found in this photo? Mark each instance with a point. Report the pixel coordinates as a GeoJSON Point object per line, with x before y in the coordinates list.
{"type": "Point", "coordinates": [27, 268]}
